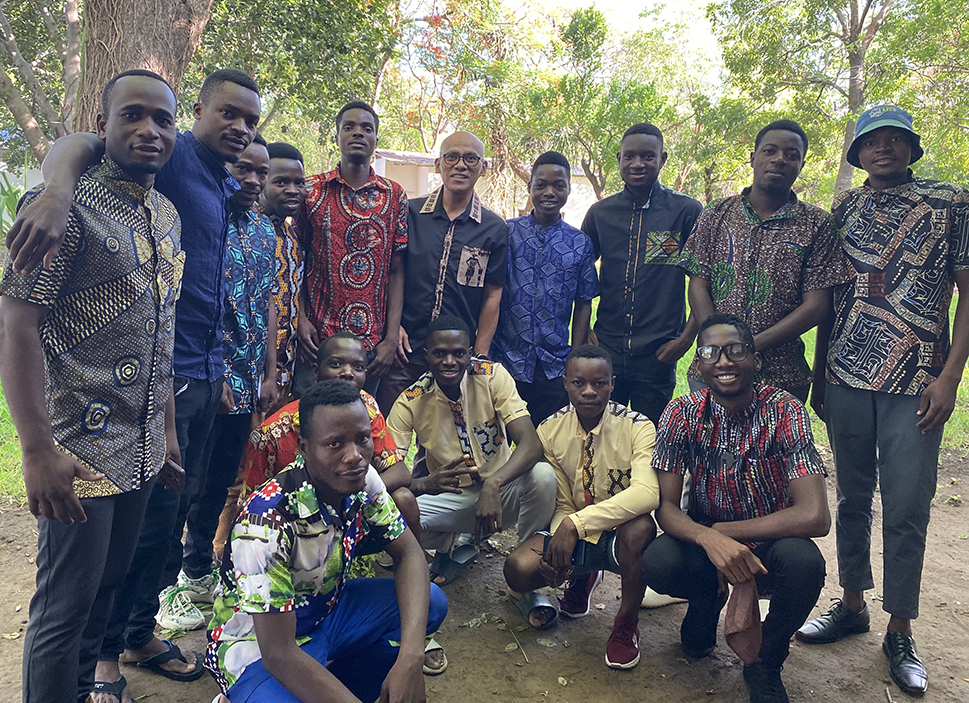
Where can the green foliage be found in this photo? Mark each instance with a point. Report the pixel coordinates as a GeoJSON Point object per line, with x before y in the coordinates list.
{"type": "Point", "coordinates": [10, 194]}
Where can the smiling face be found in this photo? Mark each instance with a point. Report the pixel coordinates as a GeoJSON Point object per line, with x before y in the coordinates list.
{"type": "Point", "coordinates": [641, 157]}
{"type": "Point", "coordinates": [226, 122]}
{"type": "Point", "coordinates": [778, 161]}
{"type": "Point", "coordinates": [549, 190]}
{"type": "Point", "coordinates": [589, 383]}
{"type": "Point", "coordinates": [458, 178]}
{"type": "Point", "coordinates": [345, 359]}
{"type": "Point", "coordinates": [251, 170]}
{"type": "Point", "coordinates": [885, 154]}
{"type": "Point", "coordinates": [139, 129]}
{"type": "Point", "coordinates": [728, 379]}
{"type": "Point", "coordinates": [448, 353]}
{"type": "Point", "coordinates": [286, 189]}
{"type": "Point", "coordinates": [357, 136]}
{"type": "Point", "coordinates": [338, 449]}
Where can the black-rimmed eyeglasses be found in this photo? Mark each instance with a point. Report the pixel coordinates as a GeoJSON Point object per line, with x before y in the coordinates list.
{"type": "Point", "coordinates": [470, 159]}
{"type": "Point", "coordinates": [710, 353]}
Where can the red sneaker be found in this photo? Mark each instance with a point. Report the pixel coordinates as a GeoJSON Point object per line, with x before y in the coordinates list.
{"type": "Point", "coordinates": [574, 603]}
{"type": "Point", "coordinates": [622, 649]}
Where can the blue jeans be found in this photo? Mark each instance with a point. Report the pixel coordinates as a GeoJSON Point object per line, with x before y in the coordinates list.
{"type": "Point", "coordinates": [357, 639]}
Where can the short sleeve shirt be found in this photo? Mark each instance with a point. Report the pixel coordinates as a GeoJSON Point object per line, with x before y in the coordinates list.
{"type": "Point", "coordinates": [449, 263]}
{"type": "Point", "coordinates": [740, 463]}
{"type": "Point", "coordinates": [891, 331]}
{"type": "Point", "coordinates": [759, 270]}
{"type": "Point", "coordinates": [549, 269]}
{"type": "Point", "coordinates": [109, 331]}
{"type": "Point", "coordinates": [643, 303]}
{"type": "Point", "coordinates": [472, 426]}
{"type": "Point", "coordinates": [289, 551]}
{"type": "Point", "coordinates": [354, 235]}
{"type": "Point", "coordinates": [249, 267]}
{"type": "Point", "coordinates": [289, 279]}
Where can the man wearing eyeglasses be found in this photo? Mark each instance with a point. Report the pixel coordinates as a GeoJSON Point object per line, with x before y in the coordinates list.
{"type": "Point", "coordinates": [456, 262]}
{"type": "Point", "coordinates": [757, 497]}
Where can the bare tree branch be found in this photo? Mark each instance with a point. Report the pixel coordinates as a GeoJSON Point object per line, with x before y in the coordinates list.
{"type": "Point", "coordinates": [25, 119]}
{"type": "Point", "coordinates": [26, 71]}
{"type": "Point", "coordinates": [55, 33]}
{"type": "Point", "coordinates": [72, 65]}
{"type": "Point", "coordinates": [876, 22]}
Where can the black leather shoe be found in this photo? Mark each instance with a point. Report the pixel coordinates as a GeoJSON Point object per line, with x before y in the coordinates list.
{"type": "Point", "coordinates": [904, 664]}
{"type": "Point", "coordinates": [835, 624]}
{"type": "Point", "coordinates": [698, 632]}
{"type": "Point", "coordinates": [765, 684]}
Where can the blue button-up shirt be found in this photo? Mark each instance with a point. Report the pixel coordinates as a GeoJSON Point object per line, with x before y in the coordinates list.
{"type": "Point", "coordinates": [549, 268]}
{"type": "Point", "coordinates": [196, 181]}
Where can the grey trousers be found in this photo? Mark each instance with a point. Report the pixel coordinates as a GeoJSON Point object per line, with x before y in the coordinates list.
{"type": "Point", "coordinates": [528, 501]}
{"type": "Point", "coordinates": [79, 569]}
{"type": "Point", "coordinates": [874, 437]}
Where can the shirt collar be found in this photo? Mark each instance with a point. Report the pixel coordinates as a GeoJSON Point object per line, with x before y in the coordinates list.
{"type": "Point", "coordinates": [538, 226]}
{"type": "Point", "coordinates": [901, 188]}
{"type": "Point", "coordinates": [631, 199]}
{"type": "Point", "coordinates": [788, 209]}
{"type": "Point", "coordinates": [120, 179]}
{"type": "Point", "coordinates": [721, 412]}
{"type": "Point", "coordinates": [373, 181]}
{"type": "Point", "coordinates": [214, 163]}
{"type": "Point", "coordinates": [595, 431]}
{"type": "Point", "coordinates": [435, 205]}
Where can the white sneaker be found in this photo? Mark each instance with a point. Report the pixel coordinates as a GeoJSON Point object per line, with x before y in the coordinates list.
{"type": "Point", "coordinates": [201, 590]}
{"type": "Point", "coordinates": [652, 599]}
{"type": "Point", "coordinates": [177, 611]}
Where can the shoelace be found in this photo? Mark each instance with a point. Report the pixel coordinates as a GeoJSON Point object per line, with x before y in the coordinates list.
{"type": "Point", "coordinates": [181, 604]}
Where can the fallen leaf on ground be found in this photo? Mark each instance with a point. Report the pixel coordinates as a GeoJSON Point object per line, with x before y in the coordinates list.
{"type": "Point", "coordinates": [511, 647]}
{"type": "Point", "coordinates": [563, 681]}
{"type": "Point", "coordinates": [11, 635]}
{"type": "Point", "coordinates": [545, 642]}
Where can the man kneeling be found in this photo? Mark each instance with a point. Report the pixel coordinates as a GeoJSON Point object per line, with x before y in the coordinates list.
{"type": "Point", "coordinates": [284, 608]}
{"type": "Point", "coordinates": [756, 498]}
{"type": "Point", "coordinates": [601, 453]}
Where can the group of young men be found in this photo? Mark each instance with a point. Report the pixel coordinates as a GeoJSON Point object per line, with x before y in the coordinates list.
{"type": "Point", "coordinates": [363, 323]}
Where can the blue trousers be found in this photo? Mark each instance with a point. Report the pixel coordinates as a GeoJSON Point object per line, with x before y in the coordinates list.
{"type": "Point", "coordinates": [357, 639]}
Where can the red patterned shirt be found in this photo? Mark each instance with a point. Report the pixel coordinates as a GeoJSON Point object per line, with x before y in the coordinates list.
{"type": "Point", "coordinates": [740, 463]}
{"type": "Point", "coordinates": [354, 235]}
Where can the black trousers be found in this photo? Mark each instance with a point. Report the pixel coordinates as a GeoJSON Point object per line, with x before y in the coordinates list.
{"type": "Point", "coordinates": [543, 396]}
{"type": "Point", "coordinates": [795, 575]}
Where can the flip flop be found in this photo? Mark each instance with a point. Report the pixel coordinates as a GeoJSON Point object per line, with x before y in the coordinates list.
{"type": "Point", "coordinates": [450, 567]}
{"type": "Point", "coordinates": [154, 662]}
{"type": "Point", "coordinates": [434, 646]}
{"type": "Point", "coordinates": [531, 600]}
{"type": "Point", "coordinates": [111, 688]}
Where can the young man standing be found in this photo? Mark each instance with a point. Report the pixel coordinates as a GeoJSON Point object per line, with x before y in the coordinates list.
{"type": "Point", "coordinates": [890, 380]}
{"type": "Point", "coordinates": [196, 181]}
{"type": "Point", "coordinates": [288, 626]}
{"type": "Point", "coordinates": [756, 499]}
{"type": "Point", "coordinates": [639, 234]}
{"type": "Point", "coordinates": [248, 330]}
{"type": "Point", "coordinates": [282, 201]}
{"type": "Point", "coordinates": [551, 282]}
{"type": "Point", "coordinates": [457, 260]}
{"type": "Point", "coordinates": [768, 258]}
{"type": "Point", "coordinates": [354, 278]}
{"type": "Point", "coordinates": [602, 454]}
{"type": "Point", "coordinates": [89, 385]}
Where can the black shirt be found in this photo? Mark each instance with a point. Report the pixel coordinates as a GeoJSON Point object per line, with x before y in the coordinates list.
{"type": "Point", "coordinates": [449, 262]}
{"type": "Point", "coordinates": [643, 302]}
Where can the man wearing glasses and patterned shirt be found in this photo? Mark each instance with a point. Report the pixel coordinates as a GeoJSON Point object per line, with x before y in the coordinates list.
{"type": "Point", "coordinates": [456, 263]}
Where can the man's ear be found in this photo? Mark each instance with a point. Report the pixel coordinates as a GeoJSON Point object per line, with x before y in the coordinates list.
{"type": "Point", "coordinates": [437, 169]}
{"type": "Point", "coordinates": [484, 166]}
{"type": "Point", "coordinates": [618, 157]}
{"type": "Point", "coordinates": [662, 159]}
{"type": "Point", "coordinates": [758, 362]}
{"type": "Point", "coordinates": [302, 444]}
{"type": "Point", "coordinates": [102, 123]}
{"type": "Point", "coordinates": [197, 109]}
{"type": "Point", "coordinates": [752, 159]}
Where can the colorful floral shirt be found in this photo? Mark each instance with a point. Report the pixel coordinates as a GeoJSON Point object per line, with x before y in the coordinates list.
{"type": "Point", "coordinates": [759, 270]}
{"type": "Point", "coordinates": [549, 270]}
{"type": "Point", "coordinates": [740, 463]}
{"type": "Point", "coordinates": [250, 261]}
{"type": "Point", "coordinates": [289, 552]}
{"type": "Point", "coordinates": [275, 445]}
{"type": "Point", "coordinates": [891, 330]}
{"type": "Point", "coordinates": [108, 336]}
{"type": "Point", "coordinates": [355, 234]}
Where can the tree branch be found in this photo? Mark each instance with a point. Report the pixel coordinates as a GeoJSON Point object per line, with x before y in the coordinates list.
{"type": "Point", "coordinates": [26, 71]}
{"type": "Point", "coordinates": [876, 23]}
{"type": "Point", "coordinates": [51, 24]}
{"type": "Point", "coordinates": [72, 64]}
{"type": "Point", "coordinates": [25, 119]}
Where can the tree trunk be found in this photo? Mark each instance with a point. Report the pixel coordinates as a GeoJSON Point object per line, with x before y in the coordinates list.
{"type": "Point", "coordinates": [120, 35]}
{"type": "Point", "coordinates": [856, 103]}
{"type": "Point", "coordinates": [25, 119]}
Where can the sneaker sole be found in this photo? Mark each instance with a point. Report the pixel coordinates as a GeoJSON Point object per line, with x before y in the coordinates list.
{"type": "Point", "coordinates": [810, 639]}
{"type": "Point", "coordinates": [167, 624]}
{"type": "Point", "coordinates": [629, 665]}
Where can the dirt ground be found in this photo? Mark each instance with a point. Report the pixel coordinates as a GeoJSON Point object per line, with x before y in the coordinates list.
{"type": "Point", "coordinates": [566, 664]}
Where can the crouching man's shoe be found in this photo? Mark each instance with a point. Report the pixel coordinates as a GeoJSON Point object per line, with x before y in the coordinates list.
{"type": "Point", "coordinates": [835, 624]}
{"type": "Point", "coordinates": [765, 684]}
{"type": "Point", "coordinates": [904, 664]}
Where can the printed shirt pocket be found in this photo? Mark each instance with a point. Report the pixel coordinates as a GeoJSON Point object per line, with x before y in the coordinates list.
{"type": "Point", "coordinates": [472, 267]}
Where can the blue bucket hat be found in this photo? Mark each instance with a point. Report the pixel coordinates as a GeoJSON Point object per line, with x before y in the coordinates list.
{"type": "Point", "coordinates": [883, 116]}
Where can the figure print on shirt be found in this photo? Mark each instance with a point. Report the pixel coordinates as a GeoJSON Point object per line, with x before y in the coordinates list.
{"type": "Point", "coordinates": [473, 266]}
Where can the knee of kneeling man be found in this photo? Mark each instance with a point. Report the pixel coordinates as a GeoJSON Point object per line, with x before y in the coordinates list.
{"type": "Point", "coordinates": [543, 477]}
{"type": "Point", "coordinates": [437, 609]}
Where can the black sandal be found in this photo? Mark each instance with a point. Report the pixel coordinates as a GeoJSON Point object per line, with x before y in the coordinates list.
{"type": "Point", "coordinates": [154, 662]}
{"type": "Point", "coordinates": [112, 688]}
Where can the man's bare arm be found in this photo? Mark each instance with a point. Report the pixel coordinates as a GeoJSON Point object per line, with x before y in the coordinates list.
{"type": "Point", "coordinates": [385, 353]}
{"type": "Point", "coordinates": [405, 681]}
{"type": "Point", "coordinates": [939, 397]}
{"type": "Point", "coordinates": [810, 313]}
{"type": "Point", "coordinates": [488, 319]}
{"type": "Point", "coordinates": [701, 300]}
{"type": "Point", "coordinates": [581, 318]}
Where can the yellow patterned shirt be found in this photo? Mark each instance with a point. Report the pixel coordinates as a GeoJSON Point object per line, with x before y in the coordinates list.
{"type": "Point", "coordinates": [109, 331]}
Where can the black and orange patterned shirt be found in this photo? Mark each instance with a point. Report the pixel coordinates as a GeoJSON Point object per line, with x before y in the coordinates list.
{"type": "Point", "coordinates": [740, 463]}
{"type": "Point", "coordinates": [904, 244]}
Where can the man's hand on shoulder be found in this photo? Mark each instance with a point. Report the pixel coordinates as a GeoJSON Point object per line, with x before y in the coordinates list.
{"type": "Point", "coordinates": [39, 231]}
{"type": "Point", "coordinates": [49, 480]}
{"type": "Point", "coordinates": [405, 681]}
{"type": "Point", "coordinates": [731, 558]}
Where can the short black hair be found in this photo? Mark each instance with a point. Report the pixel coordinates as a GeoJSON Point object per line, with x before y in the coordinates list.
{"type": "Point", "coordinates": [448, 322]}
{"type": "Point", "coordinates": [589, 351]}
{"type": "Point", "coordinates": [554, 158]}
{"type": "Point", "coordinates": [643, 128]}
{"type": "Point", "coordinates": [259, 139]}
{"type": "Point", "coordinates": [225, 75]}
{"type": "Point", "coordinates": [331, 392]}
{"type": "Point", "coordinates": [325, 344]}
{"type": "Point", "coordinates": [784, 126]}
{"type": "Point", "coordinates": [722, 318]}
{"type": "Point", "coordinates": [358, 105]}
{"type": "Point", "coordinates": [282, 150]}
{"type": "Point", "coordinates": [109, 86]}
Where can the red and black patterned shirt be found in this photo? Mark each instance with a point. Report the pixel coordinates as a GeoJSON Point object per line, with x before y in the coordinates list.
{"type": "Point", "coordinates": [740, 463]}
